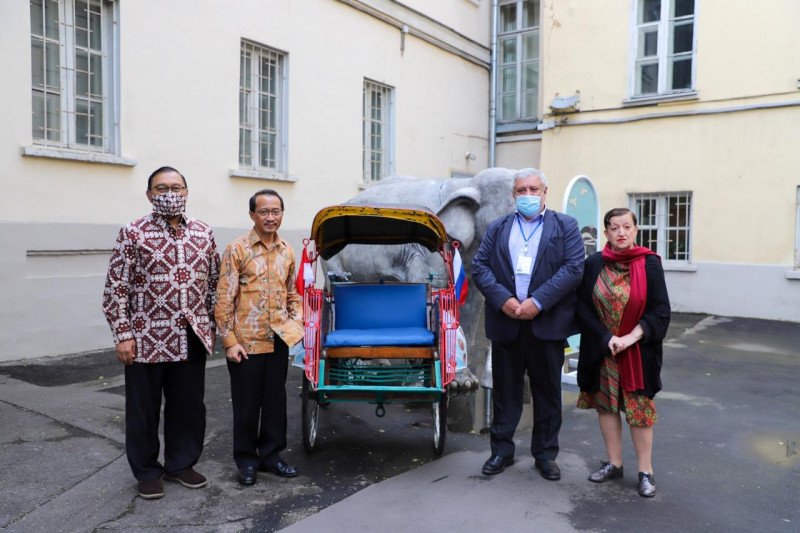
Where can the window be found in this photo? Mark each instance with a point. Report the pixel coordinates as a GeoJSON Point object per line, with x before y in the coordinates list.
{"type": "Point", "coordinates": [664, 58]}
{"type": "Point", "coordinates": [664, 223]}
{"type": "Point", "coordinates": [72, 82]}
{"type": "Point", "coordinates": [378, 131]}
{"type": "Point", "coordinates": [262, 126]}
{"type": "Point", "coordinates": [518, 60]}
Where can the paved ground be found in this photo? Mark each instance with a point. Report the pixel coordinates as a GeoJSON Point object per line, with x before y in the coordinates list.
{"type": "Point", "coordinates": [727, 454]}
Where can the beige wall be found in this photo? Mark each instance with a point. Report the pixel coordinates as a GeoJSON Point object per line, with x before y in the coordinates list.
{"type": "Point", "coordinates": [473, 19]}
{"type": "Point", "coordinates": [179, 73]}
{"type": "Point", "coordinates": [179, 85]}
{"type": "Point", "coordinates": [741, 51]}
{"type": "Point", "coordinates": [734, 164]}
{"type": "Point", "coordinates": [733, 145]}
{"type": "Point", "coordinates": [520, 154]}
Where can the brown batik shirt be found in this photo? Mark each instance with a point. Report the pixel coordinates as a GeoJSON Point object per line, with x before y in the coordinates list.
{"type": "Point", "coordinates": [160, 281]}
{"type": "Point", "coordinates": [256, 296]}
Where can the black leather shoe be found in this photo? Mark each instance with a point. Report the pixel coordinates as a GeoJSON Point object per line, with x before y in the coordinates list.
{"type": "Point", "coordinates": [548, 469]}
{"type": "Point", "coordinates": [605, 472]}
{"type": "Point", "coordinates": [280, 469]}
{"type": "Point", "coordinates": [496, 464]}
{"type": "Point", "coordinates": [248, 476]}
{"type": "Point", "coordinates": [647, 485]}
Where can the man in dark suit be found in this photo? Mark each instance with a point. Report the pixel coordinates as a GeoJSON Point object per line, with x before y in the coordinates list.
{"type": "Point", "coordinates": [528, 267]}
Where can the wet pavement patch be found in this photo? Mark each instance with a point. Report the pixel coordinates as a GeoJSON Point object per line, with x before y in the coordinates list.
{"type": "Point", "coordinates": [66, 370]}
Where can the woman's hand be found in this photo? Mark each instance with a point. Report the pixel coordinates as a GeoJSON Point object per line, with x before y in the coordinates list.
{"type": "Point", "coordinates": [616, 344]}
{"type": "Point", "coordinates": [620, 344]}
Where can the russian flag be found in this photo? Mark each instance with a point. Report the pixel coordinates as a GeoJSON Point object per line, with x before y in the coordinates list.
{"type": "Point", "coordinates": [305, 273]}
{"type": "Point", "coordinates": [461, 278]}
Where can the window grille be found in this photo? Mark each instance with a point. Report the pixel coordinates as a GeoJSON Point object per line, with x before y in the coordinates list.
{"type": "Point", "coordinates": [261, 108]}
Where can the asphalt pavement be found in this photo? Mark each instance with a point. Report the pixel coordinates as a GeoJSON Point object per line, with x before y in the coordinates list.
{"type": "Point", "coordinates": [726, 454]}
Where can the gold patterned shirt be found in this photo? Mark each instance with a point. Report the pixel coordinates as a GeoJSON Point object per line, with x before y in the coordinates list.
{"type": "Point", "coordinates": [256, 295]}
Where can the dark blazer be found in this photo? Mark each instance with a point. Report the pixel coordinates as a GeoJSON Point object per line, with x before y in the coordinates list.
{"type": "Point", "coordinates": [556, 274]}
{"type": "Point", "coordinates": [595, 336]}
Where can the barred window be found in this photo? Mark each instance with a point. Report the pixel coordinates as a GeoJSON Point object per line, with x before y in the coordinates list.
{"type": "Point", "coordinates": [664, 223]}
{"type": "Point", "coordinates": [72, 86]}
{"type": "Point", "coordinates": [518, 60]}
{"type": "Point", "coordinates": [262, 88]}
{"type": "Point", "coordinates": [378, 131]}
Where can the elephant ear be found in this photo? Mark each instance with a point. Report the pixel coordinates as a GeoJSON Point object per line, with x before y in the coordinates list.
{"type": "Point", "coordinates": [458, 212]}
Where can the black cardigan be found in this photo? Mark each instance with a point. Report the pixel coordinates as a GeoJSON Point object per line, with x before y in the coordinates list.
{"type": "Point", "coordinates": [595, 336]}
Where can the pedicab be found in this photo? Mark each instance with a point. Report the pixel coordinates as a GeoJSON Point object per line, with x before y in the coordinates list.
{"type": "Point", "coordinates": [378, 342]}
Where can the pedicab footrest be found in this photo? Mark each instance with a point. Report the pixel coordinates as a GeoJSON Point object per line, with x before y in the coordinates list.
{"type": "Point", "coordinates": [349, 373]}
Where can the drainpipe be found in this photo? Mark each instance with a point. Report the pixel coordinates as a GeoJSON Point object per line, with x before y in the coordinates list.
{"type": "Point", "coordinates": [493, 87]}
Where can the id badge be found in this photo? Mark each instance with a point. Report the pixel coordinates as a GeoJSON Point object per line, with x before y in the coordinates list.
{"type": "Point", "coordinates": [524, 264]}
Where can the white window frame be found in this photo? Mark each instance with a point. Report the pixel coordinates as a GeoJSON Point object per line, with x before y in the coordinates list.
{"type": "Point", "coordinates": [64, 136]}
{"type": "Point", "coordinates": [374, 170]}
{"type": "Point", "coordinates": [663, 230]}
{"type": "Point", "coordinates": [663, 58]}
{"type": "Point", "coordinates": [518, 34]}
{"type": "Point", "coordinates": [250, 119]}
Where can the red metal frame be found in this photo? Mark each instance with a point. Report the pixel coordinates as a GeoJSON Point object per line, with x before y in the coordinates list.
{"type": "Point", "coordinates": [312, 314]}
{"type": "Point", "coordinates": [448, 324]}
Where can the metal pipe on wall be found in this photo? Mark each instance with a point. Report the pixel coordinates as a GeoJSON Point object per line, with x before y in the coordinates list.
{"type": "Point", "coordinates": [493, 88]}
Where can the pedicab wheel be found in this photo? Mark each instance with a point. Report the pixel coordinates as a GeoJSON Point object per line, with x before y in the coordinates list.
{"type": "Point", "coordinates": [310, 416]}
{"type": "Point", "coordinates": [440, 424]}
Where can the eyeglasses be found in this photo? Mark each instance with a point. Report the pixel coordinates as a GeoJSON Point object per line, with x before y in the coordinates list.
{"type": "Point", "coordinates": [274, 212]}
{"type": "Point", "coordinates": [163, 189]}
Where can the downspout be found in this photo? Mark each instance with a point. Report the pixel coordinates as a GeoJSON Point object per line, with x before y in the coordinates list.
{"type": "Point", "coordinates": [493, 88]}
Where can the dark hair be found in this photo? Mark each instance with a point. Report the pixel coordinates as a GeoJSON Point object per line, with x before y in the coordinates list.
{"type": "Point", "coordinates": [618, 212]}
{"type": "Point", "coordinates": [158, 171]}
{"type": "Point", "coordinates": [264, 192]}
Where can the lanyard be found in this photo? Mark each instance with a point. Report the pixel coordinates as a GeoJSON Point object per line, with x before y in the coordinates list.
{"type": "Point", "coordinates": [533, 232]}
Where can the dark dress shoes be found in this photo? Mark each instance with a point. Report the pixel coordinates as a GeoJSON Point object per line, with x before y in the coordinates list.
{"type": "Point", "coordinates": [247, 475]}
{"type": "Point", "coordinates": [605, 472]}
{"type": "Point", "coordinates": [496, 464]}
{"type": "Point", "coordinates": [279, 469]}
{"type": "Point", "coordinates": [548, 469]}
{"type": "Point", "coordinates": [647, 485]}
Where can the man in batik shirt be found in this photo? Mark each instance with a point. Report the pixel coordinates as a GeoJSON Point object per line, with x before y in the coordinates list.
{"type": "Point", "coordinates": [159, 302]}
{"type": "Point", "coordinates": [259, 314]}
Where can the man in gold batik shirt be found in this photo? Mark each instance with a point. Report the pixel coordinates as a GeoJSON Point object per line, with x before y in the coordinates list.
{"type": "Point", "coordinates": [259, 315]}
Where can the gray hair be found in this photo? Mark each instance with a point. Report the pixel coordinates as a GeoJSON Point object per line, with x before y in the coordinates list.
{"type": "Point", "coordinates": [525, 172]}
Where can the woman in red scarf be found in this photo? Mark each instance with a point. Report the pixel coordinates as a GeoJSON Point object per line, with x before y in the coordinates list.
{"type": "Point", "coordinates": [624, 312]}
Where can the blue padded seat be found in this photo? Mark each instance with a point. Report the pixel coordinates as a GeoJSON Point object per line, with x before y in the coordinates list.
{"type": "Point", "coordinates": [380, 315]}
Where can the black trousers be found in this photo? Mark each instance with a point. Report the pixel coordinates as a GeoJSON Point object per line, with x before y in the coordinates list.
{"type": "Point", "coordinates": [183, 386]}
{"type": "Point", "coordinates": [258, 393]}
{"type": "Point", "coordinates": [543, 361]}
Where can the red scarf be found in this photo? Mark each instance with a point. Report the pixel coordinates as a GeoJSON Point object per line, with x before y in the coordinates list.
{"type": "Point", "coordinates": [630, 359]}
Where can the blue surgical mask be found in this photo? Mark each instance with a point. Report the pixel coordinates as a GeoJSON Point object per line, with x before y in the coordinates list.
{"type": "Point", "coordinates": [528, 205]}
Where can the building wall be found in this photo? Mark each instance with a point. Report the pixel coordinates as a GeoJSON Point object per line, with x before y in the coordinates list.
{"type": "Point", "coordinates": [733, 146]}
{"type": "Point", "coordinates": [519, 154]}
{"type": "Point", "coordinates": [179, 74]}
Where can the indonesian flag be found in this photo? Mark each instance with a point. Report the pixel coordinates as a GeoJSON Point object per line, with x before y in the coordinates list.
{"type": "Point", "coordinates": [461, 278]}
{"type": "Point", "coordinates": [305, 273]}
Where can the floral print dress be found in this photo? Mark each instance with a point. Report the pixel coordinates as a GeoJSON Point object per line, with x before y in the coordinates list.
{"type": "Point", "coordinates": [610, 296]}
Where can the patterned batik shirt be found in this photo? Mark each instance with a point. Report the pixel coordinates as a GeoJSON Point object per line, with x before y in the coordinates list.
{"type": "Point", "coordinates": [161, 280]}
{"type": "Point", "coordinates": [256, 295]}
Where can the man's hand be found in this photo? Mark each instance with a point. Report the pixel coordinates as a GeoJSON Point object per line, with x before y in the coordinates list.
{"type": "Point", "coordinates": [527, 310]}
{"type": "Point", "coordinates": [213, 335]}
{"type": "Point", "coordinates": [235, 353]}
{"type": "Point", "coordinates": [510, 307]}
{"type": "Point", "coordinates": [126, 351]}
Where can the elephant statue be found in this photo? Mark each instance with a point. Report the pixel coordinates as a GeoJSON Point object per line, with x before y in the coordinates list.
{"type": "Point", "coordinates": [466, 206]}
